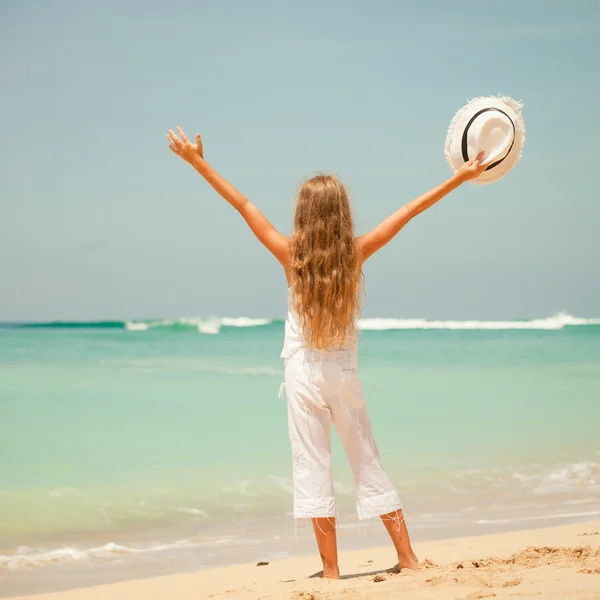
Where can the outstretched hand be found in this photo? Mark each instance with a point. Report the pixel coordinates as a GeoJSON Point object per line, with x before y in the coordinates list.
{"type": "Point", "coordinates": [183, 147]}
{"type": "Point", "coordinates": [472, 169]}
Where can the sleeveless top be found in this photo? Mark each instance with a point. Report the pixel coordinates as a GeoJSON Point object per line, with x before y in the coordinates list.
{"type": "Point", "coordinates": [294, 340]}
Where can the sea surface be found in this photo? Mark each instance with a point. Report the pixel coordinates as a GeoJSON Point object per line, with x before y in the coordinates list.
{"type": "Point", "coordinates": [138, 448]}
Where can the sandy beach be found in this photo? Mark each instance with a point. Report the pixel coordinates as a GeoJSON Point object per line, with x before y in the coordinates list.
{"type": "Point", "coordinates": [558, 562]}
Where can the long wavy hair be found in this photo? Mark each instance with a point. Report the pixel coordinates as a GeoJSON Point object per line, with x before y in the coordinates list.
{"type": "Point", "coordinates": [325, 269]}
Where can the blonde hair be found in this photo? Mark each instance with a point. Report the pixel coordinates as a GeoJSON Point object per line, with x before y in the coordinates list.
{"type": "Point", "coordinates": [325, 269]}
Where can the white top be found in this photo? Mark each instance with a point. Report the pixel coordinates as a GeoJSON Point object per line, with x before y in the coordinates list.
{"type": "Point", "coordinates": [294, 340]}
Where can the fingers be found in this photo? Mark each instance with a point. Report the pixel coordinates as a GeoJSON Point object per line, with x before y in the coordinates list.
{"type": "Point", "coordinates": [174, 143]}
{"type": "Point", "coordinates": [475, 165]}
{"type": "Point", "coordinates": [480, 167]}
{"type": "Point", "coordinates": [477, 161]}
{"type": "Point", "coordinates": [185, 140]}
{"type": "Point", "coordinates": [172, 137]}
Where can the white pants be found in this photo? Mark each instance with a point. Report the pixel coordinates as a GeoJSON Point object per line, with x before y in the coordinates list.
{"type": "Point", "coordinates": [323, 387]}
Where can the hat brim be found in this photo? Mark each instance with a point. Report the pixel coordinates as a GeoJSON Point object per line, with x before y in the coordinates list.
{"type": "Point", "coordinates": [453, 148]}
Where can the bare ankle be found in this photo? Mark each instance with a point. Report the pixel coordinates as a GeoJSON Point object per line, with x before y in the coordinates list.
{"type": "Point", "coordinates": [408, 561]}
{"type": "Point", "coordinates": [331, 572]}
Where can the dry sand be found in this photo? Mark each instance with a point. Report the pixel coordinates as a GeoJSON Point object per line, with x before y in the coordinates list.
{"type": "Point", "coordinates": [559, 562]}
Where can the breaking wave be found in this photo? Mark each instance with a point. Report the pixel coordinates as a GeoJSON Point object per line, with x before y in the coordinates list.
{"type": "Point", "coordinates": [30, 558]}
{"type": "Point", "coordinates": [215, 325]}
{"type": "Point", "coordinates": [209, 326]}
{"type": "Point", "coordinates": [558, 321]}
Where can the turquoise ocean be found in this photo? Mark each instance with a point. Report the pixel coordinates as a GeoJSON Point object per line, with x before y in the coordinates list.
{"type": "Point", "coordinates": [137, 448]}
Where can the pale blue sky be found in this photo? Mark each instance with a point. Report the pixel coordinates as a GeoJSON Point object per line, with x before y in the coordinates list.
{"type": "Point", "coordinates": [100, 220]}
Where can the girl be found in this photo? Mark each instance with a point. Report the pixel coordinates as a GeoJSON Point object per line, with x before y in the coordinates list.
{"type": "Point", "coordinates": [323, 266]}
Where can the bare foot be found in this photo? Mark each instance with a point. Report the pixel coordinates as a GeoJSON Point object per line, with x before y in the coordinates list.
{"type": "Point", "coordinates": [327, 574]}
{"type": "Point", "coordinates": [412, 564]}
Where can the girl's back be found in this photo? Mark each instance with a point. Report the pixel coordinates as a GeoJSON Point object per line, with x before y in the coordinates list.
{"type": "Point", "coordinates": [325, 270]}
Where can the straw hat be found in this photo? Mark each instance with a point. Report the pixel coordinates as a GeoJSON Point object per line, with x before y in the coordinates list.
{"type": "Point", "coordinates": [490, 125]}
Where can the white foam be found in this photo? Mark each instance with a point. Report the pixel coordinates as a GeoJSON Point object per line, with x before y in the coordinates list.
{"type": "Point", "coordinates": [210, 326]}
{"type": "Point", "coordinates": [579, 501]}
{"type": "Point", "coordinates": [196, 512]}
{"type": "Point", "coordinates": [558, 321]}
{"type": "Point", "coordinates": [567, 478]}
{"type": "Point", "coordinates": [244, 322]}
{"type": "Point", "coordinates": [145, 325]}
{"type": "Point", "coordinates": [28, 558]}
{"type": "Point", "coordinates": [562, 478]}
{"type": "Point", "coordinates": [133, 326]}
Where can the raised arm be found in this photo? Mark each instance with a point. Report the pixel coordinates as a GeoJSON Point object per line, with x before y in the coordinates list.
{"type": "Point", "coordinates": [378, 237]}
{"type": "Point", "coordinates": [193, 154]}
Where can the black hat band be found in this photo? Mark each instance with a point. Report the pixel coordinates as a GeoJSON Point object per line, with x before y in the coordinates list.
{"type": "Point", "coordinates": [465, 152]}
